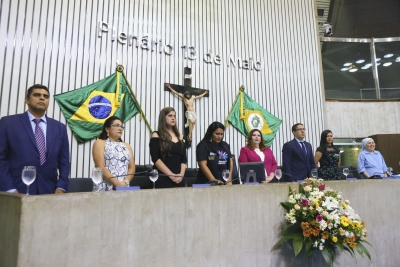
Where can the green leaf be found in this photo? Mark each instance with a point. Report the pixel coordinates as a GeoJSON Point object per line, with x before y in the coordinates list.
{"type": "Point", "coordinates": [361, 248]}
{"type": "Point", "coordinates": [287, 206]}
{"type": "Point", "coordinates": [309, 248]}
{"type": "Point", "coordinates": [340, 246]}
{"type": "Point", "coordinates": [292, 228]}
{"type": "Point", "coordinates": [290, 189]}
{"type": "Point", "coordinates": [327, 256]}
{"type": "Point", "coordinates": [298, 244]}
{"type": "Point", "coordinates": [301, 189]}
{"type": "Point", "coordinates": [365, 241]}
{"type": "Point", "coordinates": [285, 238]}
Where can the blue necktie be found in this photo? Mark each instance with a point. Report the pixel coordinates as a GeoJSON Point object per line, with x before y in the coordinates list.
{"type": "Point", "coordinates": [304, 149]}
{"type": "Point", "coordinates": [40, 141]}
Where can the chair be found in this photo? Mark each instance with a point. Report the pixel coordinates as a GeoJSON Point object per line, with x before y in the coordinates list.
{"type": "Point", "coordinates": [235, 173]}
{"type": "Point", "coordinates": [142, 181]}
{"type": "Point", "coordinates": [80, 185]}
{"type": "Point", "coordinates": [190, 176]}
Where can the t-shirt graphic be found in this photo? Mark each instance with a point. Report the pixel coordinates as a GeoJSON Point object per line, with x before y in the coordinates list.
{"type": "Point", "coordinates": [223, 156]}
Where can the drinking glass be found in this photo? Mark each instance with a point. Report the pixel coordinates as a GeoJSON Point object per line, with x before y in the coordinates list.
{"type": "Point", "coordinates": [278, 174]}
{"type": "Point", "coordinates": [97, 175]}
{"type": "Point", "coordinates": [346, 172]}
{"type": "Point", "coordinates": [225, 175]}
{"type": "Point", "coordinates": [153, 175]}
{"type": "Point", "coordinates": [389, 171]}
{"type": "Point", "coordinates": [28, 176]}
{"type": "Point", "coordinates": [314, 173]}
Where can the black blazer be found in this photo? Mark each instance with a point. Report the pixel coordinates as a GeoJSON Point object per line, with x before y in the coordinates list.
{"type": "Point", "coordinates": [295, 165]}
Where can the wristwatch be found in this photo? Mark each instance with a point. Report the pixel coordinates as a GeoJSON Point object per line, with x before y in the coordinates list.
{"type": "Point", "coordinates": [126, 182]}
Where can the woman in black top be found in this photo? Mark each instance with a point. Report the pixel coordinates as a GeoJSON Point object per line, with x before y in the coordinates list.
{"type": "Point", "coordinates": [167, 151]}
{"type": "Point", "coordinates": [328, 157]}
{"type": "Point", "coordinates": [213, 155]}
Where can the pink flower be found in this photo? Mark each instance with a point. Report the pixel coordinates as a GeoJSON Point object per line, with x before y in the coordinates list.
{"type": "Point", "coordinates": [319, 218]}
{"type": "Point", "coordinates": [322, 187]}
{"type": "Point", "coordinates": [304, 202]}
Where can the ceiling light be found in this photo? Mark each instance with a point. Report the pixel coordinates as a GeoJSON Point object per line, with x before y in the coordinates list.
{"type": "Point", "coordinates": [353, 70]}
{"type": "Point", "coordinates": [398, 59]}
{"type": "Point", "coordinates": [386, 64]}
{"type": "Point", "coordinates": [388, 55]}
{"type": "Point", "coordinates": [378, 59]}
{"type": "Point", "coordinates": [378, 64]}
{"type": "Point", "coordinates": [344, 69]}
{"type": "Point", "coordinates": [365, 67]}
{"type": "Point", "coordinates": [368, 64]}
{"type": "Point", "coordinates": [347, 64]}
{"type": "Point", "coordinates": [360, 61]}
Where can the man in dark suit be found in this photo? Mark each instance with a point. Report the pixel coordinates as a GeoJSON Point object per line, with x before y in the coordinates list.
{"type": "Point", "coordinates": [297, 156]}
{"type": "Point", "coordinates": [33, 139]}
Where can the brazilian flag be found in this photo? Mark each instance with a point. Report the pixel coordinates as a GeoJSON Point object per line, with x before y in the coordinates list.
{"type": "Point", "coordinates": [246, 115]}
{"type": "Point", "coordinates": [86, 108]}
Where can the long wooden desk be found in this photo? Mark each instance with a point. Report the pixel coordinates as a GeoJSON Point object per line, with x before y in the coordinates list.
{"type": "Point", "coordinates": [215, 226]}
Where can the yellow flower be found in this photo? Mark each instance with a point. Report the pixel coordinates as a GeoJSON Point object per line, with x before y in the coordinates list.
{"type": "Point", "coordinates": [344, 221]}
{"type": "Point", "coordinates": [344, 205]}
{"type": "Point", "coordinates": [334, 239]}
{"type": "Point", "coordinates": [316, 205]}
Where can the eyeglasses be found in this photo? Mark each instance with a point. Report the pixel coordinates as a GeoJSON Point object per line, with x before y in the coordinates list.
{"type": "Point", "coordinates": [118, 125]}
{"type": "Point", "coordinates": [45, 96]}
{"type": "Point", "coordinates": [301, 129]}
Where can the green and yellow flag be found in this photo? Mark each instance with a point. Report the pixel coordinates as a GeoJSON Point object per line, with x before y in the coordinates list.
{"type": "Point", "coordinates": [246, 115]}
{"type": "Point", "coordinates": [86, 108]}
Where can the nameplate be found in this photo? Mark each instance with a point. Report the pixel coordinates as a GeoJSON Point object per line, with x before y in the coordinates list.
{"type": "Point", "coordinates": [351, 179]}
{"type": "Point", "coordinates": [252, 183]}
{"type": "Point", "coordinates": [201, 185]}
{"type": "Point", "coordinates": [129, 188]}
{"type": "Point", "coordinates": [300, 181]}
{"type": "Point", "coordinates": [390, 177]}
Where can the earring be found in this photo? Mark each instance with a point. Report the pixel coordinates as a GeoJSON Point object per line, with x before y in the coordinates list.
{"type": "Point", "coordinates": [107, 134]}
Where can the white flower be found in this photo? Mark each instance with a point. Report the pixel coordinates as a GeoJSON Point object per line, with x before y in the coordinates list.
{"type": "Point", "coordinates": [307, 188]}
{"type": "Point", "coordinates": [315, 244]}
{"type": "Point", "coordinates": [330, 203]}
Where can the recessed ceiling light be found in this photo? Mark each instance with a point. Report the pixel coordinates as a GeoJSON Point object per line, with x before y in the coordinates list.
{"type": "Point", "coordinates": [353, 70]}
{"type": "Point", "coordinates": [347, 64]}
{"type": "Point", "coordinates": [360, 61]}
{"type": "Point", "coordinates": [344, 69]}
{"type": "Point", "coordinates": [398, 59]}
{"type": "Point", "coordinates": [378, 59]}
{"type": "Point", "coordinates": [378, 63]}
{"type": "Point", "coordinates": [365, 67]}
{"type": "Point", "coordinates": [387, 64]}
{"type": "Point", "coordinates": [388, 55]}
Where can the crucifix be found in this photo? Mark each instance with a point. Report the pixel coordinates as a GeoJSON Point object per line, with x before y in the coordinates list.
{"type": "Point", "coordinates": [188, 95]}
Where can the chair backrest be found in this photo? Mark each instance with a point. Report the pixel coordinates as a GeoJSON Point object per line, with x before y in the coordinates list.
{"type": "Point", "coordinates": [143, 181]}
{"type": "Point", "coordinates": [190, 176]}
{"type": "Point", "coordinates": [80, 185]}
{"type": "Point", "coordinates": [235, 173]}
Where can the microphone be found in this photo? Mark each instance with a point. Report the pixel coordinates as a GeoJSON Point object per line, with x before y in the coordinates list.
{"type": "Point", "coordinates": [215, 182]}
{"type": "Point", "coordinates": [148, 167]}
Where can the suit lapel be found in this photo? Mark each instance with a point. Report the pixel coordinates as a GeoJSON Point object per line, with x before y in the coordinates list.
{"type": "Point", "coordinates": [49, 136]}
{"type": "Point", "coordinates": [299, 149]}
{"type": "Point", "coordinates": [28, 128]}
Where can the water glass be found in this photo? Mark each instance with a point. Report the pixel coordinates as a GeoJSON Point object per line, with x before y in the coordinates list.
{"type": "Point", "coordinates": [389, 171]}
{"type": "Point", "coordinates": [278, 174]}
{"type": "Point", "coordinates": [346, 172]}
{"type": "Point", "coordinates": [28, 176]}
{"type": "Point", "coordinates": [153, 175]}
{"type": "Point", "coordinates": [97, 175]}
{"type": "Point", "coordinates": [225, 175]}
{"type": "Point", "coordinates": [314, 173]}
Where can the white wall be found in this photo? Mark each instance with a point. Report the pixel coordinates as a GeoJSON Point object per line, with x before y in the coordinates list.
{"type": "Point", "coordinates": [55, 43]}
{"type": "Point", "coordinates": [362, 119]}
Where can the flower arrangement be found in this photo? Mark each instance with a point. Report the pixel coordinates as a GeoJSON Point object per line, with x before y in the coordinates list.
{"type": "Point", "coordinates": [319, 219]}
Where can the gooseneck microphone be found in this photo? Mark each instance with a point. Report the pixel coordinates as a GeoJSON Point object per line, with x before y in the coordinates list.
{"type": "Point", "coordinates": [148, 168]}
